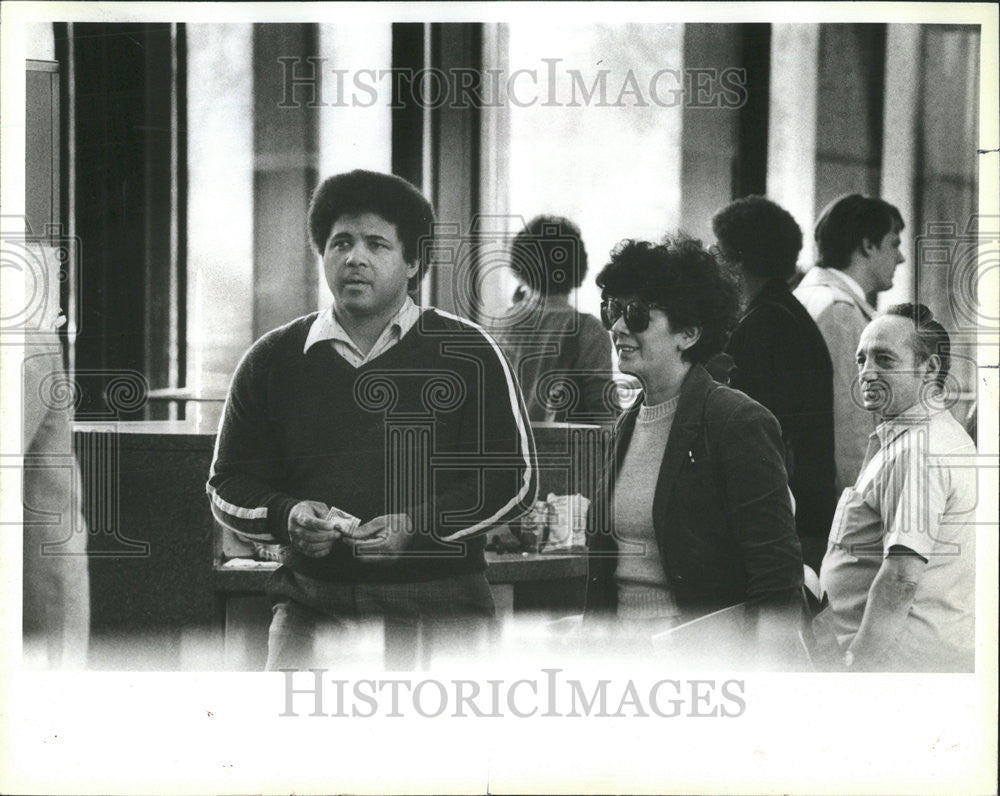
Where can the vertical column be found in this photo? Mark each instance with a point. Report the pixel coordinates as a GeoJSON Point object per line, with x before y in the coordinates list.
{"type": "Point", "coordinates": [587, 446]}
{"type": "Point", "coordinates": [159, 156]}
{"type": "Point", "coordinates": [409, 57]}
{"type": "Point", "coordinates": [355, 125]}
{"type": "Point", "coordinates": [69, 292]}
{"type": "Point", "coordinates": [849, 111]}
{"type": "Point", "coordinates": [948, 236]}
{"type": "Point", "coordinates": [286, 95]}
{"type": "Point", "coordinates": [751, 166]}
{"type": "Point", "coordinates": [220, 284]}
{"type": "Point", "coordinates": [408, 478]}
{"type": "Point", "coordinates": [496, 282]}
{"type": "Point", "coordinates": [791, 155]}
{"type": "Point", "coordinates": [899, 147]}
{"type": "Point", "coordinates": [455, 151]}
{"type": "Point", "coordinates": [42, 148]}
{"type": "Point", "coordinates": [122, 163]}
{"type": "Point", "coordinates": [710, 132]}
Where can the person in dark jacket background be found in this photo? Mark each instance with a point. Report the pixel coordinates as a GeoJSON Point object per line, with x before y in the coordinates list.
{"type": "Point", "coordinates": [695, 514]}
{"type": "Point", "coordinates": [781, 359]}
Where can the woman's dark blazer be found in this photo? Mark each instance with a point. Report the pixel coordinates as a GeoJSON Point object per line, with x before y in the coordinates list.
{"type": "Point", "coordinates": [721, 511]}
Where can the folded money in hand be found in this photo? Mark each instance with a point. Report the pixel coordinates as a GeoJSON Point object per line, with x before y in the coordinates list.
{"type": "Point", "coordinates": [346, 523]}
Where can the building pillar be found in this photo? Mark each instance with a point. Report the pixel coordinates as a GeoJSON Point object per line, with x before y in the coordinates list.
{"type": "Point", "coordinates": [285, 100]}
{"type": "Point", "coordinates": [355, 129]}
{"type": "Point", "coordinates": [899, 148]}
{"type": "Point", "coordinates": [220, 234]}
{"type": "Point", "coordinates": [791, 155]}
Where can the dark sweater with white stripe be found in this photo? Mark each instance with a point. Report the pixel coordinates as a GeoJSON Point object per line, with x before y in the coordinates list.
{"type": "Point", "coordinates": [435, 428]}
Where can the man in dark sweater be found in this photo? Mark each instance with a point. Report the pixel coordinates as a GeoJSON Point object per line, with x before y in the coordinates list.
{"type": "Point", "coordinates": [376, 441]}
{"type": "Point", "coordinates": [781, 360]}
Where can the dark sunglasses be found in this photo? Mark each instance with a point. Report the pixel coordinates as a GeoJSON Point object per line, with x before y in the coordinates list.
{"type": "Point", "coordinates": [636, 314]}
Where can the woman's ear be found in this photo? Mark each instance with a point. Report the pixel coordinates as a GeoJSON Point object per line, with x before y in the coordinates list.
{"type": "Point", "coordinates": [689, 337]}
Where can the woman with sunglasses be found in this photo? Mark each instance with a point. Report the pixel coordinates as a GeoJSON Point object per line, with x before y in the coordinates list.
{"type": "Point", "coordinates": [695, 514]}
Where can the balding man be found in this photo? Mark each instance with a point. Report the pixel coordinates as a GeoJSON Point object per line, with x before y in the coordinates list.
{"type": "Point", "coordinates": [899, 571]}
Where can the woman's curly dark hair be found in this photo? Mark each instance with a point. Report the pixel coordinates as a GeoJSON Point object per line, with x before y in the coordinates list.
{"type": "Point", "coordinates": [680, 275]}
{"type": "Point", "coordinates": [759, 235]}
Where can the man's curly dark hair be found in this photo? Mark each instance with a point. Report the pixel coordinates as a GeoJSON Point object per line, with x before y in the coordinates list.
{"type": "Point", "coordinates": [680, 275]}
{"type": "Point", "coordinates": [548, 255]}
{"type": "Point", "coordinates": [759, 235]}
{"type": "Point", "coordinates": [385, 195]}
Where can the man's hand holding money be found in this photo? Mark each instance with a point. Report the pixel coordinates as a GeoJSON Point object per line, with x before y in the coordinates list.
{"type": "Point", "coordinates": [382, 539]}
{"type": "Point", "coordinates": [313, 527]}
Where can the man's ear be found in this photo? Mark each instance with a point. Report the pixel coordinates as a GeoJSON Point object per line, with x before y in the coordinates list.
{"type": "Point", "coordinates": [412, 268]}
{"type": "Point", "coordinates": [867, 247]}
{"type": "Point", "coordinates": [931, 366]}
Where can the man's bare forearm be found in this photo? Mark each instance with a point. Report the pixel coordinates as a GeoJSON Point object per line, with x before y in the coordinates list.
{"type": "Point", "coordinates": [889, 601]}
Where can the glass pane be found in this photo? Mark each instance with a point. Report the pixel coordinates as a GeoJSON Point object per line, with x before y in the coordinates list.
{"type": "Point", "coordinates": [586, 146]}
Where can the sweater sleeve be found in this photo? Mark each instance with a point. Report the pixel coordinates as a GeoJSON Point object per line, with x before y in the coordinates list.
{"type": "Point", "coordinates": [246, 468]}
{"type": "Point", "coordinates": [491, 477]}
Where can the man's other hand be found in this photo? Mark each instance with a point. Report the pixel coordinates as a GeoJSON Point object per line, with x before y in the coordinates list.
{"type": "Point", "coordinates": [383, 538]}
{"type": "Point", "coordinates": [310, 532]}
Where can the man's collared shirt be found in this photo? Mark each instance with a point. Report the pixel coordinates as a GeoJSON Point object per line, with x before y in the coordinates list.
{"type": "Point", "coordinates": [326, 327]}
{"type": "Point", "coordinates": [852, 286]}
{"type": "Point", "coordinates": [918, 491]}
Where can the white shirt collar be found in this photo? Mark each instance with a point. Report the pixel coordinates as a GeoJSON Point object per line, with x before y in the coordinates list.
{"type": "Point", "coordinates": [327, 327]}
{"type": "Point", "coordinates": [852, 285]}
{"type": "Point", "coordinates": [917, 415]}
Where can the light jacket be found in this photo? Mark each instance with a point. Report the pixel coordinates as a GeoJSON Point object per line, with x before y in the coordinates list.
{"type": "Point", "coordinates": [841, 317]}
